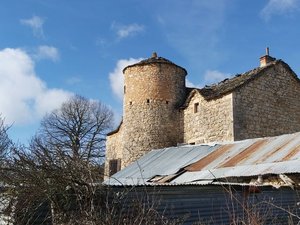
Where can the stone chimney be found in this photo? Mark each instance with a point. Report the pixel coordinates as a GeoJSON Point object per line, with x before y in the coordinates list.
{"type": "Point", "coordinates": [264, 60]}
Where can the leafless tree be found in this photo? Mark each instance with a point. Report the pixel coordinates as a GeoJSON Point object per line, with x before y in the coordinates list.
{"type": "Point", "coordinates": [61, 168]}
{"type": "Point", "coordinates": [74, 132]}
{"type": "Point", "coordinates": [5, 141]}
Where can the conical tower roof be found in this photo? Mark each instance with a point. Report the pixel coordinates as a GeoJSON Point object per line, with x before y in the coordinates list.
{"type": "Point", "coordinates": [154, 59]}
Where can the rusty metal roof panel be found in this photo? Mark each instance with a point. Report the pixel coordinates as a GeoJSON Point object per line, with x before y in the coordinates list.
{"type": "Point", "coordinates": [185, 164]}
{"type": "Point", "coordinates": [161, 162]}
{"type": "Point", "coordinates": [288, 167]}
{"type": "Point", "coordinates": [251, 152]}
{"type": "Point", "coordinates": [272, 146]}
{"type": "Point", "coordinates": [221, 155]}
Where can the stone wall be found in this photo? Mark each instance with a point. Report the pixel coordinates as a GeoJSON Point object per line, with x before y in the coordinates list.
{"type": "Point", "coordinates": [160, 82]}
{"type": "Point", "coordinates": [152, 125]}
{"type": "Point", "coordinates": [114, 148]}
{"type": "Point", "coordinates": [268, 105]}
{"type": "Point", "coordinates": [213, 120]}
{"type": "Point", "coordinates": [151, 118]}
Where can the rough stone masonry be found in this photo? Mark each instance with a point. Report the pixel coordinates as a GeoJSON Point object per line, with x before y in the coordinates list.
{"type": "Point", "coordinates": [160, 111]}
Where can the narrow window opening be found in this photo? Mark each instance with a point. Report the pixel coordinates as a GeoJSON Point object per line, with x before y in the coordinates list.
{"type": "Point", "coordinates": [130, 103]}
{"type": "Point", "coordinates": [114, 166]}
{"type": "Point", "coordinates": [148, 101]}
{"type": "Point", "coordinates": [196, 107]}
{"type": "Point", "coordinates": [167, 102]}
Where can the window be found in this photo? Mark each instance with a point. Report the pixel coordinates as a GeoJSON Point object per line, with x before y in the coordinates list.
{"type": "Point", "coordinates": [130, 103]}
{"type": "Point", "coordinates": [148, 101]}
{"type": "Point", "coordinates": [114, 166]}
{"type": "Point", "coordinates": [196, 107]}
{"type": "Point", "coordinates": [167, 102]}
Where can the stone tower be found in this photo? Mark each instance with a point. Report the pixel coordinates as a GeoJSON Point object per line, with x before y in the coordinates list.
{"type": "Point", "coordinates": [159, 111]}
{"type": "Point", "coordinates": [153, 90]}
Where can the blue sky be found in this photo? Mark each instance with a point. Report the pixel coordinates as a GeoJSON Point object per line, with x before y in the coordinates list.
{"type": "Point", "coordinates": [51, 49]}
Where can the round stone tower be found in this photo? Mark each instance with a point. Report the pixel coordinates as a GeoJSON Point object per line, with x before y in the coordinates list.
{"type": "Point", "coordinates": [153, 91]}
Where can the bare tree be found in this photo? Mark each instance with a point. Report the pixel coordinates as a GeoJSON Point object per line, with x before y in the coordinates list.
{"type": "Point", "coordinates": [62, 166]}
{"type": "Point", "coordinates": [77, 129]}
{"type": "Point", "coordinates": [5, 141]}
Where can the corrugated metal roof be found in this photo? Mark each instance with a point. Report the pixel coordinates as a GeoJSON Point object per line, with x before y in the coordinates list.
{"type": "Point", "coordinates": [188, 164]}
{"type": "Point", "coordinates": [163, 162]}
{"type": "Point", "coordinates": [240, 171]}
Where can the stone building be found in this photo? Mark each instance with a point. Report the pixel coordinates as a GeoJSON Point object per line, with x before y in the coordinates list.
{"type": "Point", "coordinates": [160, 111]}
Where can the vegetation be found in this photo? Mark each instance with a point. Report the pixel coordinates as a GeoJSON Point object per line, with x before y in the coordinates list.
{"type": "Point", "coordinates": [61, 169]}
{"type": "Point", "coordinates": [5, 142]}
{"type": "Point", "coordinates": [57, 178]}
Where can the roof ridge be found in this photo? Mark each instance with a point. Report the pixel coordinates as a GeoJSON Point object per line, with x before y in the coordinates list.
{"type": "Point", "coordinates": [229, 84]}
{"type": "Point", "coordinates": [259, 69]}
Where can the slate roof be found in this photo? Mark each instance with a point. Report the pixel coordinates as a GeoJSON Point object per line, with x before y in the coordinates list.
{"type": "Point", "coordinates": [155, 60]}
{"type": "Point", "coordinates": [230, 84]}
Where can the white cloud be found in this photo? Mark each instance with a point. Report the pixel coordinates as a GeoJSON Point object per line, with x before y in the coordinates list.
{"type": "Point", "coordinates": [47, 52]}
{"type": "Point", "coordinates": [24, 97]}
{"type": "Point", "coordinates": [279, 7]}
{"type": "Point", "coordinates": [116, 77]}
{"type": "Point", "coordinates": [209, 77]}
{"type": "Point", "coordinates": [124, 31]}
{"type": "Point", "coordinates": [36, 23]}
{"type": "Point", "coordinates": [188, 83]}
{"type": "Point", "coordinates": [73, 80]}
{"type": "Point", "coordinates": [214, 76]}
{"type": "Point", "coordinates": [49, 99]}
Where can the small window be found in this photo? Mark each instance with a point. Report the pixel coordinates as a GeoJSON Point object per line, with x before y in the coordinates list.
{"type": "Point", "coordinates": [114, 166]}
{"type": "Point", "coordinates": [148, 101]}
{"type": "Point", "coordinates": [130, 103]}
{"type": "Point", "coordinates": [167, 102]}
{"type": "Point", "coordinates": [196, 107]}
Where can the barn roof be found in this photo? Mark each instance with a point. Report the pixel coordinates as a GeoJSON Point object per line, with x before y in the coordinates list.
{"type": "Point", "coordinates": [272, 158]}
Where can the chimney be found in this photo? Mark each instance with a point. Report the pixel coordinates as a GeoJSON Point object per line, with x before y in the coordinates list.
{"type": "Point", "coordinates": [264, 60]}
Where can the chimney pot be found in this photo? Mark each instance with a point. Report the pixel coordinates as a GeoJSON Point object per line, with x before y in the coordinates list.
{"type": "Point", "coordinates": [267, 51]}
